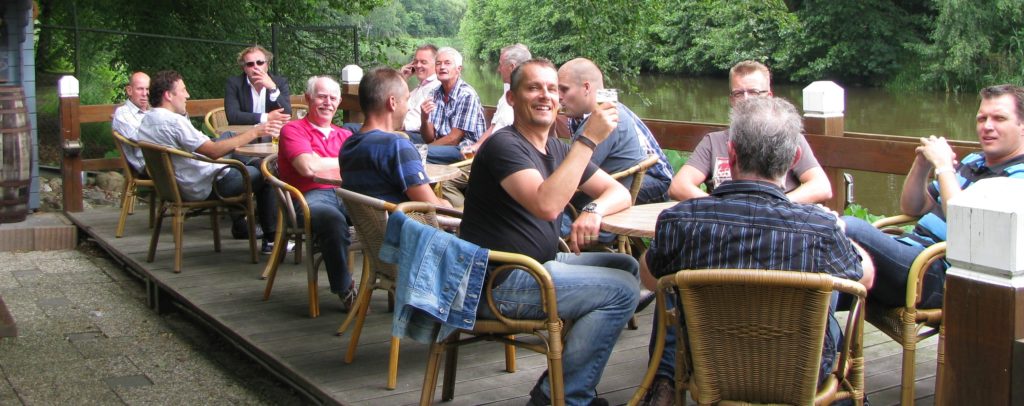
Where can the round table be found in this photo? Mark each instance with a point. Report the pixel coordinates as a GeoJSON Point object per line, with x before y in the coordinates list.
{"type": "Point", "coordinates": [259, 150]}
{"type": "Point", "coordinates": [435, 172]}
{"type": "Point", "coordinates": [636, 221]}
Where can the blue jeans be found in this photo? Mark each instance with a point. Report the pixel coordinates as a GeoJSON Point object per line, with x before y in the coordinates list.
{"type": "Point", "coordinates": [443, 154]}
{"type": "Point", "coordinates": [652, 190]}
{"type": "Point", "coordinates": [598, 292]}
{"type": "Point", "coordinates": [892, 258]}
{"type": "Point", "coordinates": [266, 205]}
{"type": "Point", "coordinates": [330, 229]}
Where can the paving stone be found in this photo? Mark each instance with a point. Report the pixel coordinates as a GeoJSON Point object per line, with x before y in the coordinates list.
{"type": "Point", "coordinates": [7, 394]}
{"type": "Point", "coordinates": [53, 302]}
{"type": "Point", "coordinates": [76, 338]}
{"type": "Point", "coordinates": [67, 265]}
{"type": "Point", "coordinates": [128, 381]}
{"type": "Point", "coordinates": [37, 279]}
{"type": "Point", "coordinates": [24, 351]}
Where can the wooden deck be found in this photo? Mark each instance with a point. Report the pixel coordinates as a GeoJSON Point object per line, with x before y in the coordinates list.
{"type": "Point", "coordinates": [225, 291]}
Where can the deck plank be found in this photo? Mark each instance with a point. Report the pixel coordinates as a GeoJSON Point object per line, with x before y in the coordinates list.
{"type": "Point", "coordinates": [225, 290]}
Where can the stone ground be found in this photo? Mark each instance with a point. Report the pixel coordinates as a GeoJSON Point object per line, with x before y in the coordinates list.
{"type": "Point", "coordinates": [86, 336]}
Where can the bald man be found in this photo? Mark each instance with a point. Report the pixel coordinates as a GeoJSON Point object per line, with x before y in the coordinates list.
{"type": "Point", "coordinates": [128, 117]}
{"type": "Point", "coordinates": [631, 142]}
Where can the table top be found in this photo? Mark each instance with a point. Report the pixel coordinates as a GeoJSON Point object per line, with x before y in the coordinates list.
{"type": "Point", "coordinates": [259, 150]}
{"type": "Point", "coordinates": [636, 221]}
{"type": "Point", "coordinates": [237, 129]}
{"type": "Point", "coordinates": [436, 173]}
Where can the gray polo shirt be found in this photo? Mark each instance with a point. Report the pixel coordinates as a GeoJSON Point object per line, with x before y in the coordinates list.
{"type": "Point", "coordinates": [164, 127]}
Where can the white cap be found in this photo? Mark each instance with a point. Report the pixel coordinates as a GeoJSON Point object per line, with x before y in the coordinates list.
{"type": "Point", "coordinates": [67, 86]}
{"type": "Point", "coordinates": [351, 74]}
{"type": "Point", "coordinates": [824, 99]}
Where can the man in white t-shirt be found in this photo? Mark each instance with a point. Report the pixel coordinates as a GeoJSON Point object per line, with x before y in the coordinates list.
{"type": "Point", "coordinates": [422, 66]}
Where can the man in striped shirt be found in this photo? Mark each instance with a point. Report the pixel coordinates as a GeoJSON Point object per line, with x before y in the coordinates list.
{"type": "Point", "coordinates": [748, 222]}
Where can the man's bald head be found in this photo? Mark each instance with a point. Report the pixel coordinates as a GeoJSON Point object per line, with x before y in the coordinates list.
{"type": "Point", "coordinates": [137, 90]}
{"type": "Point", "coordinates": [583, 70]}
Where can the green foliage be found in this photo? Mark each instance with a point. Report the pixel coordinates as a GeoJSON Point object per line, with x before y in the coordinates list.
{"type": "Point", "coordinates": [612, 33]}
{"type": "Point", "coordinates": [862, 213]}
{"type": "Point", "coordinates": [700, 37]}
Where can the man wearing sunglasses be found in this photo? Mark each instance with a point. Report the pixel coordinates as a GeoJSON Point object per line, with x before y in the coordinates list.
{"type": "Point", "coordinates": [256, 96]}
{"type": "Point", "coordinates": [805, 182]}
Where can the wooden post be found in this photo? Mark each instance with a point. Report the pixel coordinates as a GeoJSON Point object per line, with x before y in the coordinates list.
{"type": "Point", "coordinates": [71, 144]}
{"type": "Point", "coordinates": [823, 115]}
{"type": "Point", "coordinates": [350, 77]}
{"type": "Point", "coordinates": [983, 312]}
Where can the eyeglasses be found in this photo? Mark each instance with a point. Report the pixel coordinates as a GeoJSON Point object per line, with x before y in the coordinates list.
{"type": "Point", "coordinates": [255, 63]}
{"type": "Point", "coordinates": [749, 92]}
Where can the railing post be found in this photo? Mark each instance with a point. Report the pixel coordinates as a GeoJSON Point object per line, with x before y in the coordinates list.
{"type": "Point", "coordinates": [350, 77]}
{"type": "Point", "coordinates": [983, 316]}
{"type": "Point", "coordinates": [824, 102]}
{"type": "Point", "coordinates": [71, 145]}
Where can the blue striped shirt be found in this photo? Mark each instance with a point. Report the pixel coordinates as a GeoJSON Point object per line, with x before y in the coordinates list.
{"type": "Point", "coordinates": [382, 165]}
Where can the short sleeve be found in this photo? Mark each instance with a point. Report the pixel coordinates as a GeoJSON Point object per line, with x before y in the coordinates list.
{"type": "Point", "coordinates": [807, 160]}
{"type": "Point", "coordinates": [701, 158]}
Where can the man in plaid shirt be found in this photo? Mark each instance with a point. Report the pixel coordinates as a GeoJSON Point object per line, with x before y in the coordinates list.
{"type": "Point", "coordinates": [453, 117]}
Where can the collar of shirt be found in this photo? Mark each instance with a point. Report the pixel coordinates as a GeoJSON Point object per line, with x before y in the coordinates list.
{"type": "Point", "coordinates": [259, 99]}
{"type": "Point", "coordinates": [749, 186]}
{"type": "Point", "coordinates": [430, 79]}
{"type": "Point", "coordinates": [133, 108]}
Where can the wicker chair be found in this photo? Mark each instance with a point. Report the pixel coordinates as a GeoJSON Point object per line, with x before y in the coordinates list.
{"type": "Point", "coordinates": [289, 201]}
{"type": "Point", "coordinates": [908, 325]}
{"type": "Point", "coordinates": [160, 167]}
{"type": "Point", "coordinates": [132, 183]}
{"type": "Point", "coordinates": [502, 329]}
{"type": "Point", "coordinates": [215, 119]}
{"type": "Point", "coordinates": [623, 243]}
{"type": "Point", "coordinates": [296, 114]}
{"type": "Point", "coordinates": [757, 336]}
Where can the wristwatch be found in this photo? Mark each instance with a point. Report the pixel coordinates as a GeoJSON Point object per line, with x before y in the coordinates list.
{"type": "Point", "coordinates": [590, 208]}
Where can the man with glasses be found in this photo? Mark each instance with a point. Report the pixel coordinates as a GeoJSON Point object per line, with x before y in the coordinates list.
{"type": "Point", "coordinates": [805, 182]}
{"type": "Point", "coordinates": [256, 96]}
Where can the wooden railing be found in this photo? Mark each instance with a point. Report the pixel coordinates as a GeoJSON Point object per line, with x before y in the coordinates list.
{"type": "Point", "coordinates": [836, 149]}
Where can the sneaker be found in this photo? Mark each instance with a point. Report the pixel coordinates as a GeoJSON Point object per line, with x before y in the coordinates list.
{"type": "Point", "coordinates": [240, 229]}
{"type": "Point", "coordinates": [662, 393]}
{"type": "Point", "coordinates": [646, 298]}
{"type": "Point", "coordinates": [539, 398]}
{"type": "Point", "coordinates": [268, 247]}
{"type": "Point", "coordinates": [348, 299]}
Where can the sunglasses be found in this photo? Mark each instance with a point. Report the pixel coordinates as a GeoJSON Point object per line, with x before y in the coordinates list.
{"type": "Point", "coordinates": [255, 63]}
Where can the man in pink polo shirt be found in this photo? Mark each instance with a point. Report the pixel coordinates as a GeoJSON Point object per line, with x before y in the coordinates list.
{"type": "Point", "coordinates": [309, 146]}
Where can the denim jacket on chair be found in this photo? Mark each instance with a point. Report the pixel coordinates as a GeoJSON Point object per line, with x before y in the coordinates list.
{"type": "Point", "coordinates": [439, 275]}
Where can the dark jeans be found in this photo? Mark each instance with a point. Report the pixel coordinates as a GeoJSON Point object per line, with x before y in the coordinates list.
{"type": "Point", "coordinates": [443, 154]}
{"type": "Point", "coordinates": [330, 229]}
{"type": "Point", "coordinates": [892, 258]}
{"type": "Point", "coordinates": [653, 190]}
{"type": "Point", "coordinates": [266, 206]}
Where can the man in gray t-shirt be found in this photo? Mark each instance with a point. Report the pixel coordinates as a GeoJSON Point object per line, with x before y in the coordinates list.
{"type": "Point", "coordinates": [805, 182]}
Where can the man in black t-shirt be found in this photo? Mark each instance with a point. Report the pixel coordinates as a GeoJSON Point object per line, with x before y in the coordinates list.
{"type": "Point", "coordinates": [522, 180]}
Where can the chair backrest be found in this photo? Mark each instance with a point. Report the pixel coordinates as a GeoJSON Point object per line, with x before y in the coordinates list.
{"type": "Point", "coordinates": [124, 145]}
{"type": "Point", "coordinates": [757, 335]}
{"type": "Point", "coordinates": [161, 171]}
{"type": "Point", "coordinates": [370, 218]}
{"type": "Point", "coordinates": [638, 172]}
{"type": "Point", "coordinates": [299, 111]}
{"type": "Point", "coordinates": [287, 196]}
{"type": "Point", "coordinates": [215, 119]}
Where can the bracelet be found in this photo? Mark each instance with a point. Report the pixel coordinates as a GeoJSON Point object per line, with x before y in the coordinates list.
{"type": "Point", "coordinates": [940, 171]}
{"type": "Point", "coordinates": [587, 142]}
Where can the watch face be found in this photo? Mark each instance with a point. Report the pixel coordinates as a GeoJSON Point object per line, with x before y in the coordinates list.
{"type": "Point", "coordinates": [590, 207]}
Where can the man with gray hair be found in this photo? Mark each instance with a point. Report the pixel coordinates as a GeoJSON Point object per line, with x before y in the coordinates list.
{"type": "Point", "coordinates": [705, 233]}
{"type": "Point", "coordinates": [308, 146]}
{"type": "Point", "coordinates": [453, 118]}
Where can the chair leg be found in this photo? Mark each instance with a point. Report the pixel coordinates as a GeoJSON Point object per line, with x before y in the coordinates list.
{"type": "Point", "coordinates": [178, 225]}
{"type": "Point", "coordinates": [907, 384]}
{"type": "Point", "coordinates": [451, 360]}
{"type": "Point", "coordinates": [215, 225]}
{"type": "Point", "coordinates": [270, 271]}
{"type": "Point", "coordinates": [156, 233]}
{"type": "Point", "coordinates": [152, 207]}
{"type": "Point", "coordinates": [276, 255]}
{"type": "Point", "coordinates": [127, 200]}
{"type": "Point", "coordinates": [362, 299]}
{"type": "Point", "coordinates": [510, 356]}
{"type": "Point", "coordinates": [360, 318]}
{"type": "Point", "coordinates": [393, 364]}
{"type": "Point", "coordinates": [430, 376]}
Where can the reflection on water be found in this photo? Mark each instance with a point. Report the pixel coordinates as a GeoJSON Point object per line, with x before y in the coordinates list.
{"type": "Point", "coordinates": [870, 110]}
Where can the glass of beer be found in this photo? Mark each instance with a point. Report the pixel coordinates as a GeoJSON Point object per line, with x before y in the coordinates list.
{"type": "Point", "coordinates": [607, 95]}
{"type": "Point", "coordinates": [468, 152]}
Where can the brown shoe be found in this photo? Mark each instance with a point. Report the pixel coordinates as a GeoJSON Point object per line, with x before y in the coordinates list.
{"type": "Point", "coordinates": [662, 393]}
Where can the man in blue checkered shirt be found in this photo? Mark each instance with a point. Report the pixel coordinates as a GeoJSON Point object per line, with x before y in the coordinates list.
{"type": "Point", "coordinates": [748, 222]}
{"type": "Point", "coordinates": [453, 118]}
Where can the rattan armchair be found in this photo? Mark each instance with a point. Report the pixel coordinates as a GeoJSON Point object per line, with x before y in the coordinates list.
{"type": "Point", "coordinates": [757, 336]}
{"type": "Point", "coordinates": [299, 111]}
{"type": "Point", "coordinates": [501, 329]}
{"type": "Point", "coordinates": [623, 243]}
{"type": "Point", "coordinates": [289, 202]}
{"type": "Point", "coordinates": [160, 166]}
{"type": "Point", "coordinates": [216, 118]}
{"type": "Point", "coordinates": [908, 325]}
{"type": "Point", "coordinates": [132, 182]}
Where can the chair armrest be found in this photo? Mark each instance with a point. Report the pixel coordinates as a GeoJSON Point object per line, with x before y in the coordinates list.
{"type": "Point", "coordinates": [897, 220]}
{"type": "Point", "coordinates": [508, 261]}
{"type": "Point", "coordinates": [915, 277]}
{"type": "Point", "coordinates": [462, 163]}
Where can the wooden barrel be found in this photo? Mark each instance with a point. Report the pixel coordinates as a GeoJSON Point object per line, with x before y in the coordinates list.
{"type": "Point", "coordinates": [15, 155]}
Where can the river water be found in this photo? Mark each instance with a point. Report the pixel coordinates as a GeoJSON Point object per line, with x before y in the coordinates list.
{"type": "Point", "coordinates": [870, 110]}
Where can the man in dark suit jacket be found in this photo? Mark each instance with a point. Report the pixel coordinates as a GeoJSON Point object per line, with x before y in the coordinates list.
{"type": "Point", "coordinates": [256, 96]}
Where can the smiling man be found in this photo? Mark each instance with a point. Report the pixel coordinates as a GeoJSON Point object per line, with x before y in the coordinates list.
{"type": "Point", "coordinates": [522, 179]}
{"type": "Point", "coordinates": [309, 146]}
{"type": "Point", "coordinates": [453, 117]}
{"type": "Point", "coordinates": [422, 66]}
{"type": "Point", "coordinates": [933, 180]}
